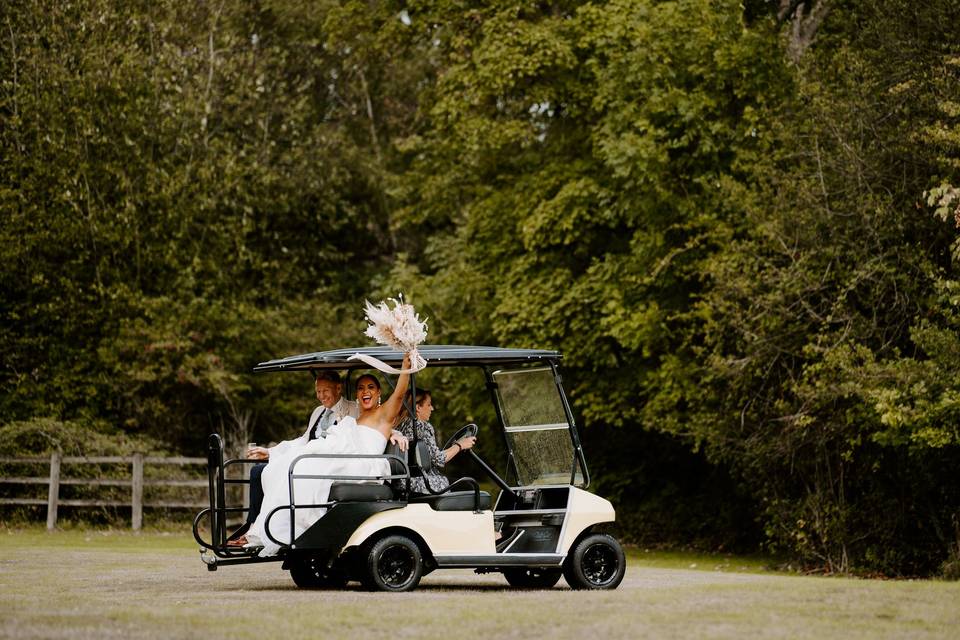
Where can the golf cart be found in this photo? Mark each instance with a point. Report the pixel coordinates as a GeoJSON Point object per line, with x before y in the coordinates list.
{"type": "Point", "coordinates": [377, 532]}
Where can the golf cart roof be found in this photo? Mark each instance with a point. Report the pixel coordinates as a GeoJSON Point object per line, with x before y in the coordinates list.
{"type": "Point", "coordinates": [435, 355]}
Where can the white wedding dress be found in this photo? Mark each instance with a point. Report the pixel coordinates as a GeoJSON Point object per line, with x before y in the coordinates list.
{"type": "Point", "coordinates": [345, 437]}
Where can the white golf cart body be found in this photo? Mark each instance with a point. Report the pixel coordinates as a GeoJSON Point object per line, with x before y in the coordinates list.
{"type": "Point", "coordinates": [466, 539]}
{"type": "Point", "coordinates": [376, 531]}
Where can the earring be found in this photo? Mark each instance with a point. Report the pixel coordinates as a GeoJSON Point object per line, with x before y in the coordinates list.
{"type": "Point", "coordinates": [379, 401]}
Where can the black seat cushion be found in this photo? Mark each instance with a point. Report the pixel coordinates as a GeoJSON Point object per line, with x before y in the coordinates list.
{"type": "Point", "coordinates": [357, 492]}
{"type": "Point", "coordinates": [453, 501]}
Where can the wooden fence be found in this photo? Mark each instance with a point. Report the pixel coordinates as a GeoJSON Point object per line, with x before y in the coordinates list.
{"type": "Point", "coordinates": [136, 483]}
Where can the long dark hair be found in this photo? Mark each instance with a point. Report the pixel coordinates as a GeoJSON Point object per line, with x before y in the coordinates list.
{"type": "Point", "coordinates": [376, 381]}
{"type": "Point", "coordinates": [422, 395]}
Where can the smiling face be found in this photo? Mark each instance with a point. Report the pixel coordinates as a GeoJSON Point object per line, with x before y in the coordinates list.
{"type": "Point", "coordinates": [328, 393]}
{"type": "Point", "coordinates": [368, 392]}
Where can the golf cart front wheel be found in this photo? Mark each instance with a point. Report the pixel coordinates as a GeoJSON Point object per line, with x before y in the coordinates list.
{"type": "Point", "coordinates": [532, 578]}
{"type": "Point", "coordinates": [393, 563]}
{"type": "Point", "coordinates": [596, 562]}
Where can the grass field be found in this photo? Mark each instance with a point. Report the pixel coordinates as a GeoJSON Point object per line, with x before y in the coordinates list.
{"type": "Point", "coordinates": [75, 584]}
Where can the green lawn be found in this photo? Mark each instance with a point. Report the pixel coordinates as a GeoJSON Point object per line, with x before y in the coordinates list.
{"type": "Point", "coordinates": [179, 539]}
{"type": "Point", "coordinates": [699, 561]}
{"type": "Point", "coordinates": [149, 541]}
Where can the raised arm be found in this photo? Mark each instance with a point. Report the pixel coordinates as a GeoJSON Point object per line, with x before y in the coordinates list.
{"type": "Point", "coordinates": [394, 404]}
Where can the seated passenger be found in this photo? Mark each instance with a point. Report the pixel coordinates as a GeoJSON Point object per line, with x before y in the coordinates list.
{"type": "Point", "coordinates": [425, 432]}
{"type": "Point", "coordinates": [333, 408]}
{"type": "Point", "coordinates": [366, 435]}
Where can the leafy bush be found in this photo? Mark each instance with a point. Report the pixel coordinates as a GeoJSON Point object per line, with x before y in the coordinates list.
{"type": "Point", "coordinates": [43, 436]}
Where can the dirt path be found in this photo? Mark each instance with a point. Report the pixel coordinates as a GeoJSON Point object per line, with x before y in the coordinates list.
{"type": "Point", "coordinates": [68, 591]}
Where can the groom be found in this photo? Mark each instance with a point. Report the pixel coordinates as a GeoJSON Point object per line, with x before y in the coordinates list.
{"type": "Point", "coordinates": [333, 408]}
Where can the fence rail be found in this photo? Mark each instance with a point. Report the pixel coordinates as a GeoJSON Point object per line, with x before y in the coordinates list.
{"type": "Point", "coordinates": [136, 482]}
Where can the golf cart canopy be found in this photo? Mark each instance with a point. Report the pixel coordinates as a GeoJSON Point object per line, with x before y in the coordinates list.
{"type": "Point", "coordinates": [442, 355]}
{"type": "Point", "coordinates": [534, 415]}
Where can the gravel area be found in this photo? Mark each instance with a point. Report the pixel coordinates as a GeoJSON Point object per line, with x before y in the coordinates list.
{"type": "Point", "coordinates": [146, 588]}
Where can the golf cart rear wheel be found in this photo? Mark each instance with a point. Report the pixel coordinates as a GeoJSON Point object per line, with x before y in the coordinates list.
{"type": "Point", "coordinates": [532, 578]}
{"type": "Point", "coordinates": [596, 562]}
{"type": "Point", "coordinates": [311, 572]}
{"type": "Point", "coordinates": [393, 563]}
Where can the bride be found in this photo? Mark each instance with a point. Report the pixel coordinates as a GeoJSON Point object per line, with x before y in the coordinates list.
{"type": "Point", "coordinates": [368, 434]}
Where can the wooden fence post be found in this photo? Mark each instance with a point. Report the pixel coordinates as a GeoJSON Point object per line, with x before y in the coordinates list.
{"type": "Point", "coordinates": [137, 498]}
{"type": "Point", "coordinates": [53, 493]}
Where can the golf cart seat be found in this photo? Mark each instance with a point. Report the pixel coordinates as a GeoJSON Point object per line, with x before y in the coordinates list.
{"type": "Point", "coordinates": [453, 501]}
{"type": "Point", "coordinates": [356, 492]}
{"type": "Point", "coordinates": [445, 500]}
{"type": "Point", "coordinates": [450, 501]}
{"type": "Point", "coordinates": [368, 491]}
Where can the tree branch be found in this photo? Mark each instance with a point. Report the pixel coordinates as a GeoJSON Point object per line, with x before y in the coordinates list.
{"type": "Point", "coordinates": [805, 16]}
{"type": "Point", "coordinates": [374, 138]}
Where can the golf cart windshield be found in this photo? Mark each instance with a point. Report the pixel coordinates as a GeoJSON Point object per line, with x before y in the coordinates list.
{"type": "Point", "coordinates": [537, 429]}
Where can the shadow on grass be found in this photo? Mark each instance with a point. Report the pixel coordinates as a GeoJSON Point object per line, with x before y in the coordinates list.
{"type": "Point", "coordinates": [356, 588]}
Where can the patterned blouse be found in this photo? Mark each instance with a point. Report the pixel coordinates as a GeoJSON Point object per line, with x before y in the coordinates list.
{"type": "Point", "coordinates": [425, 432]}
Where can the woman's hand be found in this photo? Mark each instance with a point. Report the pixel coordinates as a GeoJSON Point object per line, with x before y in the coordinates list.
{"type": "Point", "coordinates": [467, 442]}
{"type": "Point", "coordinates": [464, 443]}
{"type": "Point", "coordinates": [406, 361]}
{"type": "Point", "coordinates": [399, 439]}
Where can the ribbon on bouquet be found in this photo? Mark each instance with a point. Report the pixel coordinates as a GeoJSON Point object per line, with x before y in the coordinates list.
{"type": "Point", "coordinates": [417, 363]}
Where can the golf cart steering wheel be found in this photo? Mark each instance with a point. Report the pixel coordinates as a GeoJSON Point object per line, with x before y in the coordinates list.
{"type": "Point", "coordinates": [466, 430]}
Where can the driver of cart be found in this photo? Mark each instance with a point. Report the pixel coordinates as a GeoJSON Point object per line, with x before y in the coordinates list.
{"type": "Point", "coordinates": [426, 433]}
{"type": "Point", "coordinates": [333, 408]}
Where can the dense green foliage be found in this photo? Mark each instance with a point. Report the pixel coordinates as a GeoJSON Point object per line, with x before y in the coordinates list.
{"type": "Point", "coordinates": [747, 261]}
{"type": "Point", "coordinates": [829, 331]}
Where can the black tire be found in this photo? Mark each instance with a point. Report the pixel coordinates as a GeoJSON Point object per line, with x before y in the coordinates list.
{"type": "Point", "coordinates": [532, 578]}
{"type": "Point", "coordinates": [311, 572]}
{"type": "Point", "coordinates": [596, 562]}
{"type": "Point", "coordinates": [393, 563]}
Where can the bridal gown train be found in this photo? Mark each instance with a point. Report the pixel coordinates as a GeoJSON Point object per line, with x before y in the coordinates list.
{"type": "Point", "coordinates": [345, 437]}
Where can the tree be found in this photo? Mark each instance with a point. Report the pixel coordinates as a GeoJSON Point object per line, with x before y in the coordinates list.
{"type": "Point", "coordinates": [176, 180]}
{"type": "Point", "coordinates": [576, 167]}
{"type": "Point", "coordinates": [822, 321]}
